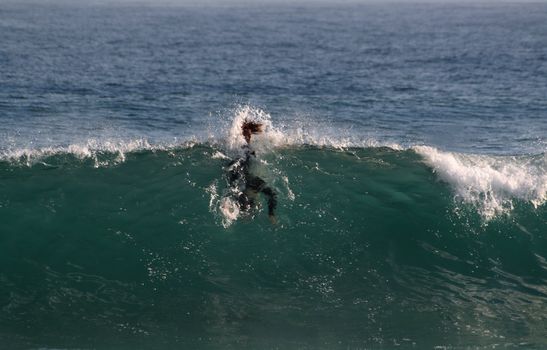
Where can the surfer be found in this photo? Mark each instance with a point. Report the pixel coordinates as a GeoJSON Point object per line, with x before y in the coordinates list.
{"type": "Point", "coordinates": [250, 185]}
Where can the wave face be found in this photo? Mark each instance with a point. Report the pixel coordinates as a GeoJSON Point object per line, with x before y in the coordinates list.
{"type": "Point", "coordinates": [374, 247]}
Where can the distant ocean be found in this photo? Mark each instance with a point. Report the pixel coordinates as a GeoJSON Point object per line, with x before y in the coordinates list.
{"type": "Point", "coordinates": [407, 145]}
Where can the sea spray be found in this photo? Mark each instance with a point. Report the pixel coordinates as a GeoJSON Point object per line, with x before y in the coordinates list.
{"type": "Point", "coordinates": [490, 183]}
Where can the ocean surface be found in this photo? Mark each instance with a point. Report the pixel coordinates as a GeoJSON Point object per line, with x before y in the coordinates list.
{"type": "Point", "coordinates": [407, 145]}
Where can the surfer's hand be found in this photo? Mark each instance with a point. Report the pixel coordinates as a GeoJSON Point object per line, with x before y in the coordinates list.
{"type": "Point", "coordinates": [273, 219]}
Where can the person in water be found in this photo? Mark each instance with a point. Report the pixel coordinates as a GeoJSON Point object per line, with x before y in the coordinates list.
{"type": "Point", "coordinates": [249, 184]}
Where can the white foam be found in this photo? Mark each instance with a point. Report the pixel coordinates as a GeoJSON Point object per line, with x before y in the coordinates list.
{"type": "Point", "coordinates": [226, 206]}
{"type": "Point", "coordinates": [224, 134]}
{"type": "Point", "coordinates": [89, 149]}
{"type": "Point", "coordinates": [490, 183]}
{"type": "Point", "coordinates": [219, 155]}
{"type": "Point", "coordinates": [270, 138]}
{"type": "Point", "coordinates": [297, 133]}
{"type": "Point", "coordinates": [290, 193]}
{"type": "Point", "coordinates": [230, 211]}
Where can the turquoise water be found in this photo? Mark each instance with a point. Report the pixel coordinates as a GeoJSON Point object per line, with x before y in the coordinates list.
{"type": "Point", "coordinates": [405, 142]}
{"type": "Point", "coordinates": [138, 254]}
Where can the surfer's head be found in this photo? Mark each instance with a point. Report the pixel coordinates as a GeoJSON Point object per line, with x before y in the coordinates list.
{"type": "Point", "coordinates": [249, 127]}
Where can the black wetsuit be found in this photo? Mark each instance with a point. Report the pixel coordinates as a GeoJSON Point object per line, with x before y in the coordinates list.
{"type": "Point", "coordinates": [239, 176]}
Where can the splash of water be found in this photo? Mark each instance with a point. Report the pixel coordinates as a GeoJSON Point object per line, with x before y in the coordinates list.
{"type": "Point", "coordinates": [489, 183]}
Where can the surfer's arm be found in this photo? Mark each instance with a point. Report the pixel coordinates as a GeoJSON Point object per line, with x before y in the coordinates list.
{"type": "Point", "coordinates": [272, 200]}
{"type": "Point", "coordinates": [258, 185]}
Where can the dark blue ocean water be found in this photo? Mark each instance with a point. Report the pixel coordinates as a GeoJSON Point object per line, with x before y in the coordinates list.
{"type": "Point", "coordinates": [460, 77]}
{"type": "Point", "coordinates": [406, 144]}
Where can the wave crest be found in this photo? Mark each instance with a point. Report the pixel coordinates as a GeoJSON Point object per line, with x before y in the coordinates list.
{"type": "Point", "coordinates": [490, 183]}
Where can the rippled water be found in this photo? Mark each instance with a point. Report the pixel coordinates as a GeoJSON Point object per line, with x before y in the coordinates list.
{"type": "Point", "coordinates": [405, 142]}
{"type": "Point", "coordinates": [461, 77]}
